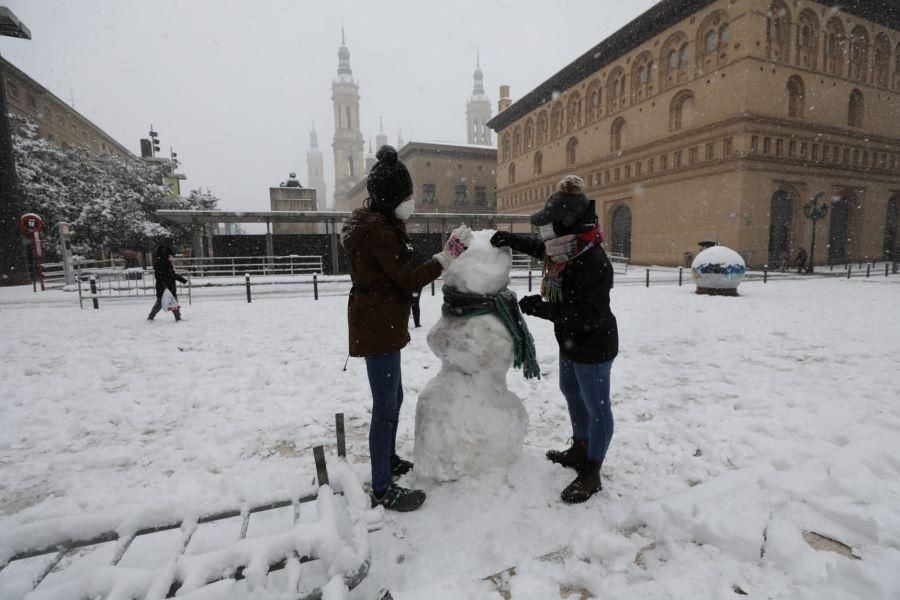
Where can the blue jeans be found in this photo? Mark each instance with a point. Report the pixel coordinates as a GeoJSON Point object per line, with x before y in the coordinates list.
{"type": "Point", "coordinates": [387, 395]}
{"type": "Point", "coordinates": [586, 388]}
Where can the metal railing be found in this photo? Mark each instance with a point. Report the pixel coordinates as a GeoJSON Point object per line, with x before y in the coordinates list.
{"type": "Point", "coordinates": [236, 266]}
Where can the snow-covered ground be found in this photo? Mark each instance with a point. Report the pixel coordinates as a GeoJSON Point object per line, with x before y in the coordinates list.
{"type": "Point", "coordinates": [741, 425]}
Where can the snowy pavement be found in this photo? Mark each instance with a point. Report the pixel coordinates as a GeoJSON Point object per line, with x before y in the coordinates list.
{"type": "Point", "coordinates": [741, 425]}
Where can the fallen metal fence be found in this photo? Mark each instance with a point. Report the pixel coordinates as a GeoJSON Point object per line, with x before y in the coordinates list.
{"type": "Point", "coordinates": [169, 582]}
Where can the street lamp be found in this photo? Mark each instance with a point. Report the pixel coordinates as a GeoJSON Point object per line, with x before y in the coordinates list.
{"type": "Point", "coordinates": [814, 212]}
{"type": "Point", "coordinates": [13, 268]}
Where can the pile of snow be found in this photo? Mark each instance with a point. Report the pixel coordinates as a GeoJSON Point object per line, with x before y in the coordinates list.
{"type": "Point", "coordinates": [482, 269]}
{"type": "Point", "coordinates": [467, 420]}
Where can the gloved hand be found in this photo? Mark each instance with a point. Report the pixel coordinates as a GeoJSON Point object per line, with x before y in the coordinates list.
{"type": "Point", "coordinates": [533, 305]}
{"type": "Point", "coordinates": [457, 243]}
{"type": "Point", "coordinates": [501, 239]}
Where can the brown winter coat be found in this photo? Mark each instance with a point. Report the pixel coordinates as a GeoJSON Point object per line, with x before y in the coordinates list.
{"type": "Point", "coordinates": [384, 280]}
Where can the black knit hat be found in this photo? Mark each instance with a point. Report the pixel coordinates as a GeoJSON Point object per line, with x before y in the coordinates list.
{"type": "Point", "coordinates": [389, 182]}
{"type": "Point", "coordinates": [568, 208]}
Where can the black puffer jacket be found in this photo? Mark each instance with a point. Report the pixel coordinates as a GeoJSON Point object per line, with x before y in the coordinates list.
{"type": "Point", "coordinates": [163, 269]}
{"type": "Point", "coordinates": [585, 327]}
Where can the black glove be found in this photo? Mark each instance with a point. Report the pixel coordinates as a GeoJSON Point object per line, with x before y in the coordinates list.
{"type": "Point", "coordinates": [532, 305]}
{"type": "Point", "coordinates": [501, 239]}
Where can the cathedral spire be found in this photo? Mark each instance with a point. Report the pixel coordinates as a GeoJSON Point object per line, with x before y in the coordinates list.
{"type": "Point", "coordinates": [478, 88]}
{"type": "Point", "coordinates": [313, 138]}
{"type": "Point", "coordinates": [344, 71]}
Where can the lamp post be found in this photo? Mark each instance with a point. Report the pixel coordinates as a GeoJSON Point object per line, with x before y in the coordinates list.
{"type": "Point", "coordinates": [13, 266]}
{"type": "Point", "coordinates": [814, 212]}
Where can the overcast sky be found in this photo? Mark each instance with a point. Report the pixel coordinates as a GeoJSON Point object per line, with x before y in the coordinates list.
{"type": "Point", "coordinates": [233, 85]}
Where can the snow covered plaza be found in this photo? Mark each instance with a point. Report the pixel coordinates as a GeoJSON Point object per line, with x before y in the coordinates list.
{"type": "Point", "coordinates": [743, 427]}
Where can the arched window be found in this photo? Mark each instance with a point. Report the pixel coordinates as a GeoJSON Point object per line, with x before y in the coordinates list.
{"type": "Point", "coordinates": [710, 50]}
{"type": "Point", "coordinates": [892, 229]}
{"type": "Point", "coordinates": [681, 111]}
{"type": "Point", "coordinates": [674, 69]}
{"type": "Point", "coordinates": [594, 99]}
{"type": "Point", "coordinates": [781, 221]}
{"type": "Point", "coordinates": [505, 147]}
{"type": "Point", "coordinates": [641, 80]}
{"type": "Point", "coordinates": [685, 56]}
{"type": "Point", "coordinates": [897, 69]}
{"type": "Point", "coordinates": [808, 40]}
{"type": "Point", "coordinates": [517, 141]}
{"type": "Point", "coordinates": [621, 231]}
{"type": "Point", "coordinates": [529, 133]}
{"type": "Point", "coordinates": [571, 151]}
{"type": "Point", "coordinates": [859, 54]}
{"type": "Point", "coordinates": [724, 34]}
{"type": "Point", "coordinates": [573, 111]}
{"type": "Point", "coordinates": [779, 23]}
{"type": "Point", "coordinates": [542, 128]}
{"type": "Point", "coordinates": [617, 135]}
{"type": "Point", "coordinates": [839, 226]}
{"type": "Point", "coordinates": [538, 163]}
{"type": "Point", "coordinates": [835, 47]}
{"type": "Point", "coordinates": [511, 173]}
{"type": "Point", "coordinates": [556, 121]}
{"type": "Point", "coordinates": [856, 109]}
{"type": "Point", "coordinates": [616, 86]}
{"type": "Point", "coordinates": [796, 97]}
{"type": "Point", "coordinates": [882, 67]}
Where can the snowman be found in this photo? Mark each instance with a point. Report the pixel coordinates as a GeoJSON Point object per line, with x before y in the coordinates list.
{"type": "Point", "coordinates": [467, 420]}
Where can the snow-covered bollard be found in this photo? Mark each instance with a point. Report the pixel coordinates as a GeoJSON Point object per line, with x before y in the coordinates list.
{"type": "Point", "coordinates": [718, 271]}
{"type": "Point", "coordinates": [467, 420]}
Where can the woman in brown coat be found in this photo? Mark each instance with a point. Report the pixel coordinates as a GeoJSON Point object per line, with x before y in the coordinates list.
{"type": "Point", "coordinates": [384, 280]}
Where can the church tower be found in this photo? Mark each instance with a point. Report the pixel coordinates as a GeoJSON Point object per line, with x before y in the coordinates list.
{"type": "Point", "coordinates": [478, 111]}
{"type": "Point", "coordinates": [315, 171]}
{"type": "Point", "coordinates": [381, 139]}
{"type": "Point", "coordinates": [349, 146]}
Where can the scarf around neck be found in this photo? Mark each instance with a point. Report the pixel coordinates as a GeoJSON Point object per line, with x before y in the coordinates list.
{"type": "Point", "coordinates": [506, 307]}
{"type": "Point", "coordinates": [559, 252]}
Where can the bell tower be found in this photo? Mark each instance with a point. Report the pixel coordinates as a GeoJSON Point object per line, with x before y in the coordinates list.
{"type": "Point", "coordinates": [315, 171]}
{"type": "Point", "coordinates": [348, 145]}
{"type": "Point", "coordinates": [478, 110]}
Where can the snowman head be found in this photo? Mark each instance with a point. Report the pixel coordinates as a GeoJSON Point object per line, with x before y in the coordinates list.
{"type": "Point", "coordinates": [482, 269]}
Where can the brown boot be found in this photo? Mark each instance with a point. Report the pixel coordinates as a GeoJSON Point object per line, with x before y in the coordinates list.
{"type": "Point", "coordinates": [572, 457]}
{"type": "Point", "coordinates": [585, 485]}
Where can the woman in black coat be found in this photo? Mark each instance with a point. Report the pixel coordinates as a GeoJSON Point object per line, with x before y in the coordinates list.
{"type": "Point", "coordinates": [575, 297]}
{"type": "Point", "coordinates": [166, 277]}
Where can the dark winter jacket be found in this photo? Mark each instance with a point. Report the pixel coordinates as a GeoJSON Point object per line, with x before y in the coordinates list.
{"type": "Point", "coordinates": [163, 269]}
{"type": "Point", "coordinates": [585, 326]}
{"type": "Point", "coordinates": [380, 255]}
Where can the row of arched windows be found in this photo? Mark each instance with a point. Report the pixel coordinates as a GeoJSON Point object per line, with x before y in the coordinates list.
{"type": "Point", "coordinates": [854, 54]}
{"type": "Point", "coordinates": [648, 75]}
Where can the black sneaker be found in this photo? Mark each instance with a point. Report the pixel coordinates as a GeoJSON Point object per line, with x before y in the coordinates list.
{"type": "Point", "coordinates": [399, 466]}
{"type": "Point", "coordinates": [398, 498]}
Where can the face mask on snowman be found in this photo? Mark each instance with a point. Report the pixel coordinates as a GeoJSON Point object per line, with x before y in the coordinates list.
{"type": "Point", "coordinates": [405, 210]}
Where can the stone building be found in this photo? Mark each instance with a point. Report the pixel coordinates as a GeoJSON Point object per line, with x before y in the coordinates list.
{"type": "Point", "coordinates": [447, 178]}
{"type": "Point", "coordinates": [292, 196]}
{"type": "Point", "coordinates": [348, 144]}
{"type": "Point", "coordinates": [55, 119]}
{"type": "Point", "coordinates": [719, 119]}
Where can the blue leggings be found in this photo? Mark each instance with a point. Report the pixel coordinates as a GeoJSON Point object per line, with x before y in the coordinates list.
{"type": "Point", "coordinates": [387, 395]}
{"type": "Point", "coordinates": [586, 388]}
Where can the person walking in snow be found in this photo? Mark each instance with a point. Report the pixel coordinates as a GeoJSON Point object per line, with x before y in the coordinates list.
{"type": "Point", "coordinates": [380, 256]}
{"type": "Point", "coordinates": [578, 277]}
{"type": "Point", "coordinates": [165, 274]}
{"type": "Point", "coordinates": [801, 259]}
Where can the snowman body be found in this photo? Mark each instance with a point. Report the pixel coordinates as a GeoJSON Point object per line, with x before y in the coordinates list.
{"type": "Point", "coordinates": [467, 420]}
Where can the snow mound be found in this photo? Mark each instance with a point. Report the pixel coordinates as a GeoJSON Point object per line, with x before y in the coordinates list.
{"type": "Point", "coordinates": [482, 269]}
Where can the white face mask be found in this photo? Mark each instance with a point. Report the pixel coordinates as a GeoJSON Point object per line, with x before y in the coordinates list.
{"type": "Point", "coordinates": [547, 232]}
{"type": "Point", "coordinates": [405, 210]}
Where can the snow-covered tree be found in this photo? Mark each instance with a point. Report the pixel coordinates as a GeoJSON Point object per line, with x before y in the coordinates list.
{"type": "Point", "coordinates": [110, 200]}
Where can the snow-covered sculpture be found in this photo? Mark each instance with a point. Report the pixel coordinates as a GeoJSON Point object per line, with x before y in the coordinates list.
{"type": "Point", "coordinates": [718, 271]}
{"type": "Point", "coordinates": [467, 420]}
